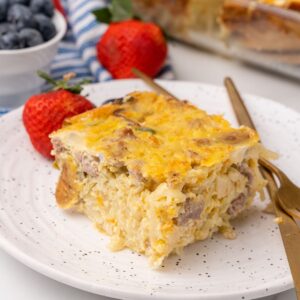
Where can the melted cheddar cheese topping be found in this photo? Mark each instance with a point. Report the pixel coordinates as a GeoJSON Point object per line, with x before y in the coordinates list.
{"type": "Point", "coordinates": [154, 136]}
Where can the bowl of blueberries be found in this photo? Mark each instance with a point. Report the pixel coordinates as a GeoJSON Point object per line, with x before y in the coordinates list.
{"type": "Point", "coordinates": [30, 32]}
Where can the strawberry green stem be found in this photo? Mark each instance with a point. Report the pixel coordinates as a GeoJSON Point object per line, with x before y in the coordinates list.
{"type": "Point", "coordinates": [64, 83]}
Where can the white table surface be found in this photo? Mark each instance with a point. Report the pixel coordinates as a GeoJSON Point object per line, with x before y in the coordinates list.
{"type": "Point", "coordinates": [17, 282]}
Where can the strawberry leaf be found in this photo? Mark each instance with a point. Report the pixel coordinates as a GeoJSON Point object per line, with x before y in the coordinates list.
{"type": "Point", "coordinates": [64, 83]}
{"type": "Point", "coordinates": [46, 77]}
{"type": "Point", "coordinates": [77, 88]}
{"type": "Point", "coordinates": [121, 10]}
{"type": "Point", "coordinates": [103, 15]}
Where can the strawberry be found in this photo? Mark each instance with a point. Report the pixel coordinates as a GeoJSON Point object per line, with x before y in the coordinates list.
{"type": "Point", "coordinates": [58, 6]}
{"type": "Point", "coordinates": [132, 44]}
{"type": "Point", "coordinates": [45, 113]}
{"type": "Point", "coordinates": [129, 43]}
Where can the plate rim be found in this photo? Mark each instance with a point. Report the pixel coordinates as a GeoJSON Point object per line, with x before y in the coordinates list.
{"type": "Point", "coordinates": [57, 275]}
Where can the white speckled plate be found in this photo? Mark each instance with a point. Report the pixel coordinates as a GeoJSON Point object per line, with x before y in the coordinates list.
{"type": "Point", "coordinates": [67, 248]}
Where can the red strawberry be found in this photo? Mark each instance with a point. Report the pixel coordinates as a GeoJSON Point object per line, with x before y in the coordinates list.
{"type": "Point", "coordinates": [59, 6]}
{"type": "Point", "coordinates": [132, 44]}
{"type": "Point", "coordinates": [129, 43]}
{"type": "Point", "coordinates": [45, 113]}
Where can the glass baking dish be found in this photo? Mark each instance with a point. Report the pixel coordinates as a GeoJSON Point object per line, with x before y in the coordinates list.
{"type": "Point", "coordinates": [261, 32]}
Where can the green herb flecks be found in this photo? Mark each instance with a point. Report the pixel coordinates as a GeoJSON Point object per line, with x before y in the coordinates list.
{"type": "Point", "coordinates": [147, 129]}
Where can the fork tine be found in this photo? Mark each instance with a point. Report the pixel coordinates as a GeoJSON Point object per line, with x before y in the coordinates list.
{"type": "Point", "coordinates": [293, 212]}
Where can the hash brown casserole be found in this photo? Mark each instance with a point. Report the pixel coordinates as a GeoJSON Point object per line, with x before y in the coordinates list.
{"type": "Point", "coordinates": [156, 174]}
{"type": "Point", "coordinates": [267, 27]}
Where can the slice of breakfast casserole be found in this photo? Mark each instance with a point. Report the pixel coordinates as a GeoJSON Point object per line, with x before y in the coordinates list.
{"type": "Point", "coordinates": [156, 174]}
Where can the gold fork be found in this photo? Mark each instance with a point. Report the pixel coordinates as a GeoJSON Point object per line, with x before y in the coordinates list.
{"type": "Point", "coordinates": [288, 193]}
{"type": "Point", "coordinates": [289, 230]}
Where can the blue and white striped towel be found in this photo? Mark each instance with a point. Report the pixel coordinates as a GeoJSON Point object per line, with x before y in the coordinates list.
{"type": "Point", "coordinates": [77, 51]}
{"type": "Point", "coordinates": [3, 111]}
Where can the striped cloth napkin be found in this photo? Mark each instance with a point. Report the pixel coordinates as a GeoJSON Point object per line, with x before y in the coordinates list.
{"type": "Point", "coordinates": [77, 52]}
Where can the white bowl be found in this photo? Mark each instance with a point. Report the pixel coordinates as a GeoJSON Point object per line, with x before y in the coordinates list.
{"type": "Point", "coordinates": [18, 68]}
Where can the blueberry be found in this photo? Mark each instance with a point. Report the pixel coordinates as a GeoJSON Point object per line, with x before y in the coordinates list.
{"type": "Point", "coordinates": [30, 37]}
{"type": "Point", "coordinates": [45, 26]}
{"type": "Point", "coordinates": [10, 40]}
{"type": "Point", "coordinates": [24, 2]}
{"type": "Point", "coordinates": [3, 9]}
{"type": "Point", "coordinates": [21, 16]}
{"type": "Point", "coordinates": [7, 27]}
{"type": "Point", "coordinates": [42, 6]}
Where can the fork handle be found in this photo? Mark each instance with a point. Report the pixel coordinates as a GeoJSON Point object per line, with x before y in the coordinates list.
{"type": "Point", "coordinates": [151, 83]}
